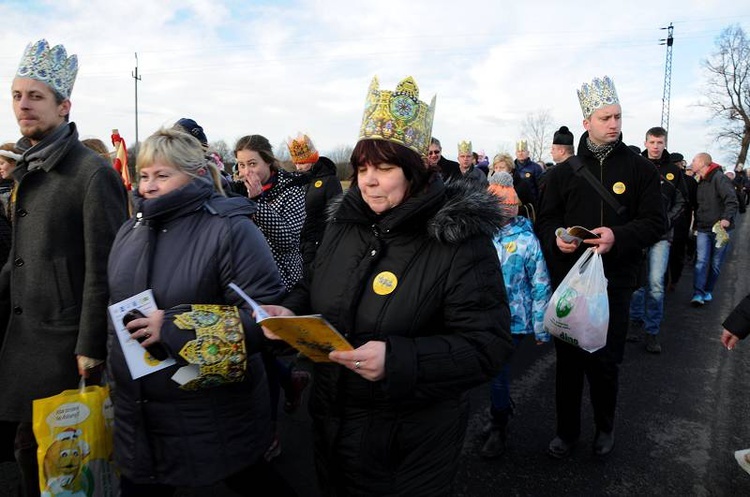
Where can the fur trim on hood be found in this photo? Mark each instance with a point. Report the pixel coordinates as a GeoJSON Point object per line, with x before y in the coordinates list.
{"type": "Point", "coordinates": [459, 211]}
{"type": "Point", "coordinates": [469, 211]}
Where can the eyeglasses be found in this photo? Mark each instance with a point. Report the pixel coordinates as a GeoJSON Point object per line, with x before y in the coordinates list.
{"type": "Point", "coordinates": [433, 152]}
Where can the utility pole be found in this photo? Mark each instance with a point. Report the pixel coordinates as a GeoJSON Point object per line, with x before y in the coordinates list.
{"type": "Point", "coordinates": [668, 41]}
{"type": "Point", "coordinates": [137, 78]}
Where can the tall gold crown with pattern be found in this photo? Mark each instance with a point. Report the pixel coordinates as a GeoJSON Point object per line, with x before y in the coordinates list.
{"type": "Point", "coordinates": [464, 147]}
{"type": "Point", "coordinates": [522, 146]}
{"type": "Point", "coordinates": [51, 66]}
{"type": "Point", "coordinates": [398, 116]}
{"type": "Point", "coordinates": [302, 150]}
{"type": "Point", "coordinates": [597, 94]}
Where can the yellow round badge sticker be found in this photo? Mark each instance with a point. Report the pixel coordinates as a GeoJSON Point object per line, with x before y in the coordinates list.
{"type": "Point", "coordinates": [149, 359]}
{"type": "Point", "coordinates": [528, 175]}
{"type": "Point", "coordinates": [619, 188]}
{"type": "Point", "coordinates": [318, 184]}
{"type": "Point", "coordinates": [670, 176]}
{"type": "Point", "coordinates": [384, 283]}
{"type": "Point", "coordinates": [510, 247]}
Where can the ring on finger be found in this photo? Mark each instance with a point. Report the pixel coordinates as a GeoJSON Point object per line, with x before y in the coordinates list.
{"type": "Point", "coordinates": [357, 364]}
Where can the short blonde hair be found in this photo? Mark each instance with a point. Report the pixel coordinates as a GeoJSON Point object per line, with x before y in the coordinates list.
{"type": "Point", "coordinates": [180, 150]}
{"type": "Point", "coordinates": [504, 158]}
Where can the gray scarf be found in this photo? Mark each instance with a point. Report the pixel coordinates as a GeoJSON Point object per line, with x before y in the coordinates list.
{"type": "Point", "coordinates": [36, 155]}
{"type": "Point", "coordinates": [601, 151]}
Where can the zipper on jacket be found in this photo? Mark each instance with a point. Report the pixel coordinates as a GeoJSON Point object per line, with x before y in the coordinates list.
{"type": "Point", "coordinates": [601, 201]}
{"type": "Point", "coordinates": [138, 219]}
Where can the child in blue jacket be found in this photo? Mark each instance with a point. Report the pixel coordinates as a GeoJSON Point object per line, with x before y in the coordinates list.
{"type": "Point", "coordinates": [528, 286]}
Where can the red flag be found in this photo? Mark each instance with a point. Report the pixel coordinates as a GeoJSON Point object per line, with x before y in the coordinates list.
{"type": "Point", "coordinates": [121, 159]}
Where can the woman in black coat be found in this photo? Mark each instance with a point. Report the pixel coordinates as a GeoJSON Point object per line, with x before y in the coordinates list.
{"type": "Point", "coordinates": [187, 243]}
{"type": "Point", "coordinates": [408, 274]}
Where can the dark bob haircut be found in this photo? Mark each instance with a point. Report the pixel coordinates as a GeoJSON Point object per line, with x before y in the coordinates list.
{"type": "Point", "coordinates": [382, 151]}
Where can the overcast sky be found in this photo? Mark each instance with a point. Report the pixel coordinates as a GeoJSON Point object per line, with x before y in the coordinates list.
{"type": "Point", "coordinates": [278, 67]}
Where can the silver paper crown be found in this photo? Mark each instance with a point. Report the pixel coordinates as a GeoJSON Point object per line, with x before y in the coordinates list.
{"type": "Point", "coordinates": [51, 66]}
{"type": "Point", "coordinates": [596, 95]}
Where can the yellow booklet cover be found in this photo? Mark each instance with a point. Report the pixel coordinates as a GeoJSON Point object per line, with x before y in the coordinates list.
{"type": "Point", "coordinates": [312, 335]}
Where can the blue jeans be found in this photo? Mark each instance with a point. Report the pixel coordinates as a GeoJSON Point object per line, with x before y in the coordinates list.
{"type": "Point", "coordinates": [708, 260]}
{"type": "Point", "coordinates": [647, 303]}
{"type": "Point", "coordinates": [500, 385]}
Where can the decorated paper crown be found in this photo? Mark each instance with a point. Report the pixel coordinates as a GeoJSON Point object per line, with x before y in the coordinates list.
{"type": "Point", "coordinates": [302, 150]}
{"type": "Point", "coordinates": [51, 66]}
{"type": "Point", "coordinates": [398, 116]}
{"type": "Point", "coordinates": [522, 146]}
{"type": "Point", "coordinates": [596, 95]}
{"type": "Point", "coordinates": [464, 147]}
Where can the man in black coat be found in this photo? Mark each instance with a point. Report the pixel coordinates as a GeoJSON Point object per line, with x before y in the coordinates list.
{"type": "Point", "coordinates": [69, 205]}
{"type": "Point", "coordinates": [571, 199]}
{"type": "Point", "coordinates": [449, 170]}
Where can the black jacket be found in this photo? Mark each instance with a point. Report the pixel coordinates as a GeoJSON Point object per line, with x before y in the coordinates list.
{"type": "Point", "coordinates": [738, 322]}
{"type": "Point", "coordinates": [322, 186]}
{"type": "Point", "coordinates": [425, 278]}
{"type": "Point", "coordinates": [673, 190]}
{"type": "Point", "coordinates": [196, 243]}
{"type": "Point", "coordinates": [449, 169]}
{"type": "Point", "coordinates": [569, 200]}
{"type": "Point", "coordinates": [716, 199]}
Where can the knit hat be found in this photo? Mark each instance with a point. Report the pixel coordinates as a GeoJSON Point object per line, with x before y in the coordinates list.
{"type": "Point", "coordinates": [501, 185]}
{"type": "Point", "coordinates": [563, 136]}
{"type": "Point", "coordinates": [676, 157]}
{"type": "Point", "coordinates": [191, 127]}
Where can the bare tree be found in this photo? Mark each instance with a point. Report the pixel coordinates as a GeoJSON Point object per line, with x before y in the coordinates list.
{"type": "Point", "coordinates": [282, 152]}
{"type": "Point", "coordinates": [537, 130]}
{"type": "Point", "coordinates": [728, 90]}
{"type": "Point", "coordinates": [225, 153]}
{"type": "Point", "coordinates": [341, 154]}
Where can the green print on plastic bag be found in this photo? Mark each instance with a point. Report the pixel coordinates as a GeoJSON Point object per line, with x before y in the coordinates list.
{"type": "Point", "coordinates": [566, 302]}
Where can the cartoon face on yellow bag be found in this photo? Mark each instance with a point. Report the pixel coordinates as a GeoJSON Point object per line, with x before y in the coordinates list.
{"type": "Point", "coordinates": [64, 464]}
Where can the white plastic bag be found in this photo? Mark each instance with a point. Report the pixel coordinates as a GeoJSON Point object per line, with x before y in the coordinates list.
{"type": "Point", "coordinates": [578, 311]}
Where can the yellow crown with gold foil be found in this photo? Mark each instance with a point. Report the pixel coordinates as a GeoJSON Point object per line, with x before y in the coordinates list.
{"type": "Point", "coordinates": [302, 150]}
{"type": "Point", "coordinates": [464, 147]}
{"type": "Point", "coordinates": [398, 116]}
{"type": "Point", "coordinates": [522, 146]}
{"type": "Point", "coordinates": [597, 94]}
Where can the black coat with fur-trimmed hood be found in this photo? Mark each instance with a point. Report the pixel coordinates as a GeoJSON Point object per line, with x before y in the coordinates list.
{"type": "Point", "coordinates": [425, 278]}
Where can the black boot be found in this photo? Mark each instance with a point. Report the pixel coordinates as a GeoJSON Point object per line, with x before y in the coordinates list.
{"type": "Point", "coordinates": [494, 446]}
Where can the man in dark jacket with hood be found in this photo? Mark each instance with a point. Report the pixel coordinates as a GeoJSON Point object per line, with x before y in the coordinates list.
{"type": "Point", "coordinates": [69, 205]}
{"type": "Point", "coordinates": [714, 220]}
{"type": "Point", "coordinates": [570, 199]}
{"type": "Point", "coordinates": [449, 170]}
{"type": "Point", "coordinates": [647, 304]}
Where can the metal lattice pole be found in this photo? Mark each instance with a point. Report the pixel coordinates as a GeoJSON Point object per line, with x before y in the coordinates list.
{"type": "Point", "coordinates": [668, 41]}
{"type": "Point", "coordinates": [137, 78]}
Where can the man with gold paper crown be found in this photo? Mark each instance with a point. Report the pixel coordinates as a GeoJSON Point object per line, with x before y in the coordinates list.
{"type": "Point", "coordinates": [469, 171]}
{"type": "Point", "coordinates": [69, 205]}
{"type": "Point", "coordinates": [407, 271]}
{"type": "Point", "coordinates": [530, 171]}
{"type": "Point", "coordinates": [571, 198]}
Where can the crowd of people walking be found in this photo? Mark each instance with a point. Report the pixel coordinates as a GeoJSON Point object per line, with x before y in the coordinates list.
{"type": "Point", "coordinates": [434, 271]}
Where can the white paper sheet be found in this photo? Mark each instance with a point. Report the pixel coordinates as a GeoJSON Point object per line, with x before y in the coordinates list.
{"type": "Point", "coordinates": [139, 361]}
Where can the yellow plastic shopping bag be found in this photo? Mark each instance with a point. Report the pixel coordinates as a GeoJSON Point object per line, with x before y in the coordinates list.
{"type": "Point", "coordinates": [74, 432]}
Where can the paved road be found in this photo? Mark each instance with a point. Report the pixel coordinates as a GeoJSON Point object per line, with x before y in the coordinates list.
{"type": "Point", "coordinates": [681, 415]}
